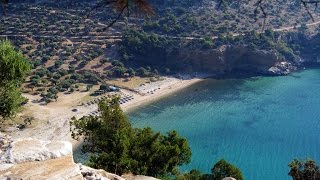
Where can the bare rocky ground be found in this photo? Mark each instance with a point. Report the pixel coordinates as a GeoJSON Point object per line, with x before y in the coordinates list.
{"type": "Point", "coordinates": [51, 160]}
{"type": "Point", "coordinates": [51, 122]}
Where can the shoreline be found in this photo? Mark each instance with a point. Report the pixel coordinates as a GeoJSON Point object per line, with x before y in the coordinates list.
{"type": "Point", "coordinates": [144, 100]}
{"type": "Point", "coordinates": [166, 90]}
{"type": "Point", "coordinates": [51, 122]}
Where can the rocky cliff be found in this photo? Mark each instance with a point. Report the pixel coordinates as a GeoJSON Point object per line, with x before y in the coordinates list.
{"type": "Point", "coordinates": [225, 60]}
{"type": "Point", "coordinates": [36, 159]}
{"type": "Point", "coordinates": [270, 53]}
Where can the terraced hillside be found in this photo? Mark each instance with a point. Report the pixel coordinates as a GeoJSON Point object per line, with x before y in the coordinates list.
{"type": "Point", "coordinates": [70, 45]}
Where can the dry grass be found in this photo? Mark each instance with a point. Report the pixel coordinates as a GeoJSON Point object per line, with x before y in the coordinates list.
{"type": "Point", "coordinates": [88, 97]}
{"type": "Point", "coordinates": [128, 83]}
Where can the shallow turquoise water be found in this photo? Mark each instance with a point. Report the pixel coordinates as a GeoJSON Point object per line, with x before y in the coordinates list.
{"type": "Point", "coordinates": [258, 124]}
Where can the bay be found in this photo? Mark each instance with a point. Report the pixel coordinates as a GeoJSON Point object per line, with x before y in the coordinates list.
{"type": "Point", "coordinates": [258, 124]}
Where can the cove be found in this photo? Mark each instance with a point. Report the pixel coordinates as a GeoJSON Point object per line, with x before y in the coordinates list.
{"type": "Point", "coordinates": [258, 124]}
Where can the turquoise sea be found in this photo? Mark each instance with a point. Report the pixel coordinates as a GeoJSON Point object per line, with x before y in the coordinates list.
{"type": "Point", "coordinates": [258, 124]}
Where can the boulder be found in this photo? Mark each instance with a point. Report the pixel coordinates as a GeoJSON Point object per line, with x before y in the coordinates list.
{"type": "Point", "coordinates": [97, 174]}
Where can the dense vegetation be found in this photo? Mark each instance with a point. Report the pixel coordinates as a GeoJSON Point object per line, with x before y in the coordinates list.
{"type": "Point", "coordinates": [210, 18]}
{"type": "Point", "coordinates": [14, 67]}
{"type": "Point", "coordinates": [137, 45]}
{"type": "Point", "coordinates": [118, 147]}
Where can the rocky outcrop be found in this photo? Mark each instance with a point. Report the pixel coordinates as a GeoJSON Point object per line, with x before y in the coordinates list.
{"type": "Point", "coordinates": [47, 160]}
{"type": "Point", "coordinates": [28, 150]}
{"type": "Point", "coordinates": [36, 159]}
{"type": "Point", "coordinates": [282, 68]}
{"type": "Point", "coordinates": [97, 174]}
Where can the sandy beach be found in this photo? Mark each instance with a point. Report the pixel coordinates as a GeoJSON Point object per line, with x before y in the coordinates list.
{"type": "Point", "coordinates": [52, 120]}
{"type": "Point", "coordinates": [156, 91]}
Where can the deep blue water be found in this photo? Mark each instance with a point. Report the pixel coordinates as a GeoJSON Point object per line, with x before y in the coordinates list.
{"type": "Point", "coordinates": [258, 124]}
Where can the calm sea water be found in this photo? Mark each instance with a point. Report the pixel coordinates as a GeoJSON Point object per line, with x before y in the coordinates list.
{"type": "Point", "coordinates": [258, 124]}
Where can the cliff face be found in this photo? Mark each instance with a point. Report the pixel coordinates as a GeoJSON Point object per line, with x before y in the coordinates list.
{"type": "Point", "coordinates": [311, 50]}
{"type": "Point", "coordinates": [225, 60]}
{"type": "Point", "coordinates": [47, 160]}
{"type": "Point", "coordinates": [222, 61]}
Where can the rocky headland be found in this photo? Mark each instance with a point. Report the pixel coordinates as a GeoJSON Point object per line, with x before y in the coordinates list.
{"type": "Point", "coordinates": [267, 54]}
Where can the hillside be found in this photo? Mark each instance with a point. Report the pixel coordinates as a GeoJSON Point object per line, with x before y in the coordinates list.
{"type": "Point", "coordinates": [69, 45]}
{"type": "Point", "coordinates": [207, 18]}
